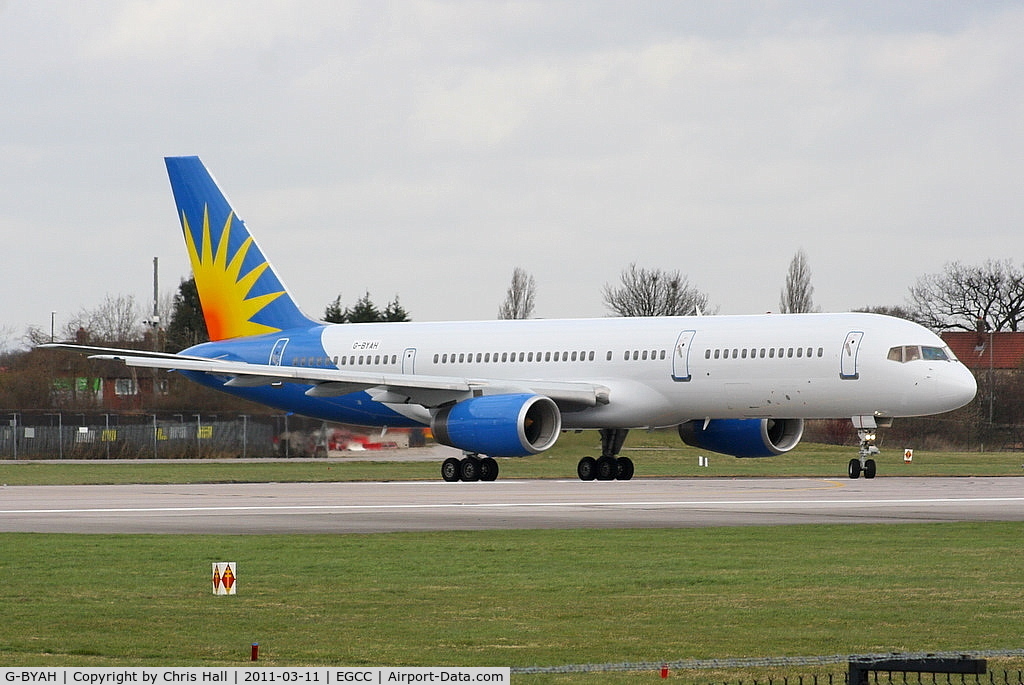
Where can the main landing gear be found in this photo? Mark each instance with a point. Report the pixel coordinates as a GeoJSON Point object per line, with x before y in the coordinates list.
{"type": "Point", "coordinates": [471, 467]}
{"type": "Point", "coordinates": [609, 466]}
{"type": "Point", "coordinates": [862, 463]}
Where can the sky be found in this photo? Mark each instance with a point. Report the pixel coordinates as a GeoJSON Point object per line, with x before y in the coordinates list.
{"type": "Point", "coordinates": [425, 149]}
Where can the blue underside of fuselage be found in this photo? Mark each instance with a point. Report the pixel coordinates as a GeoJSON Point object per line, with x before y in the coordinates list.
{"type": "Point", "coordinates": [356, 408]}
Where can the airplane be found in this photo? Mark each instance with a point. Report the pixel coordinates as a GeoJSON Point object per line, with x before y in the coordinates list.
{"type": "Point", "coordinates": [740, 385]}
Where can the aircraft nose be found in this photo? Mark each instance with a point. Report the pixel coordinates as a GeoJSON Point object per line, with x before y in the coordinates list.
{"type": "Point", "coordinates": [957, 386]}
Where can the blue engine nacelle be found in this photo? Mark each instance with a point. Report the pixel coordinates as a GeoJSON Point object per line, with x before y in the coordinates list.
{"type": "Point", "coordinates": [499, 425]}
{"type": "Point", "coordinates": [744, 437]}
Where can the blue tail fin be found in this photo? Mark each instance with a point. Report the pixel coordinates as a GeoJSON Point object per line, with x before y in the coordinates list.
{"type": "Point", "coordinates": [240, 292]}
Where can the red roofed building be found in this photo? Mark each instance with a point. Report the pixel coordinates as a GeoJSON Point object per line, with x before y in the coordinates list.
{"type": "Point", "coordinates": [983, 351]}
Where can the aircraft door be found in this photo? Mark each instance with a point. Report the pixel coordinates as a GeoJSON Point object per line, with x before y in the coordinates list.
{"type": "Point", "coordinates": [681, 357]}
{"type": "Point", "coordinates": [409, 361]}
{"type": "Point", "coordinates": [848, 356]}
{"type": "Point", "coordinates": [277, 354]}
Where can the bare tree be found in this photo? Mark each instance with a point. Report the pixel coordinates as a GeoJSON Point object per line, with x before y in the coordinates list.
{"type": "Point", "coordinates": [519, 299]}
{"type": "Point", "coordinates": [962, 295]}
{"type": "Point", "coordinates": [896, 311]}
{"type": "Point", "coordinates": [798, 294]}
{"type": "Point", "coordinates": [653, 292]}
{"type": "Point", "coordinates": [116, 321]}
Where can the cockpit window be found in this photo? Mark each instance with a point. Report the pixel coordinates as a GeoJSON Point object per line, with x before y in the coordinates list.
{"type": "Point", "coordinates": [909, 353]}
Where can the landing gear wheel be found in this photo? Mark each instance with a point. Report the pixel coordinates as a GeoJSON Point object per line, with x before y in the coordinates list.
{"type": "Point", "coordinates": [451, 470]}
{"type": "Point", "coordinates": [469, 469]}
{"type": "Point", "coordinates": [587, 468]}
{"type": "Point", "coordinates": [607, 468]}
{"type": "Point", "coordinates": [625, 468]}
{"type": "Point", "coordinates": [869, 468]}
{"type": "Point", "coordinates": [488, 469]}
{"type": "Point", "coordinates": [853, 470]}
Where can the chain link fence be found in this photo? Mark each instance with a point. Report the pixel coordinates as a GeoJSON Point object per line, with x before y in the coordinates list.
{"type": "Point", "coordinates": [793, 662]}
{"type": "Point", "coordinates": [182, 435]}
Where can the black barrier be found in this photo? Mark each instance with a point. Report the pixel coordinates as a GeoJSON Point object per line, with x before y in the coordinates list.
{"type": "Point", "coordinates": [859, 668]}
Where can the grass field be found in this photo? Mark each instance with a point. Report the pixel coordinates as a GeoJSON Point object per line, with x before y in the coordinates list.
{"type": "Point", "coordinates": [511, 597]}
{"type": "Point", "coordinates": [521, 598]}
{"type": "Point", "coordinates": [658, 453]}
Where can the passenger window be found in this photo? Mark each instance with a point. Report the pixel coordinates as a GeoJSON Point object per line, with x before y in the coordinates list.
{"type": "Point", "coordinates": [707, 354]}
{"type": "Point", "coordinates": [609, 357]}
{"type": "Point", "coordinates": [716, 353]}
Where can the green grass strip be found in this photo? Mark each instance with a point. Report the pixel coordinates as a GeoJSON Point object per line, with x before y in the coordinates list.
{"type": "Point", "coordinates": [516, 598]}
{"type": "Point", "coordinates": [657, 453]}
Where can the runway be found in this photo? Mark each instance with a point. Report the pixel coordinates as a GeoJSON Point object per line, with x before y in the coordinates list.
{"type": "Point", "coordinates": [265, 508]}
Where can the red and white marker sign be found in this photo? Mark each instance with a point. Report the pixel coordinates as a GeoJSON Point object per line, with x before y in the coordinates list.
{"type": "Point", "coordinates": [225, 581]}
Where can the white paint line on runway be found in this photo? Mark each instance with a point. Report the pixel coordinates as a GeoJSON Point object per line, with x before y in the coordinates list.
{"type": "Point", "coordinates": [518, 505]}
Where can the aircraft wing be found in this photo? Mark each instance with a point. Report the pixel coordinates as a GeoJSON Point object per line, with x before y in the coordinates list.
{"type": "Point", "coordinates": [112, 352]}
{"type": "Point", "coordinates": [388, 388]}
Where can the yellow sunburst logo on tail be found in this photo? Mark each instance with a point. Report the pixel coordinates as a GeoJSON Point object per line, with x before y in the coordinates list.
{"type": "Point", "coordinates": [223, 289]}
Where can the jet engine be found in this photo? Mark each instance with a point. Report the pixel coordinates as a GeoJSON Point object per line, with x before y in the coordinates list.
{"type": "Point", "coordinates": [499, 425]}
{"type": "Point", "coordinates": [744, 437]}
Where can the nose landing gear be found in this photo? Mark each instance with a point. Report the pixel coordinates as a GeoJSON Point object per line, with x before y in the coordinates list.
{"type": "Point", "coordinates": [863, 462]}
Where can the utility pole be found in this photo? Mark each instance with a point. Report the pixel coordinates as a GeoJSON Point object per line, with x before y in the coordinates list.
{"type": "Point", "coordinates": [156, 310]}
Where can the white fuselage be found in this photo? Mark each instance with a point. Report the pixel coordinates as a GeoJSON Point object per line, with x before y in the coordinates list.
{"type": "Point", "coordinates": [667, 370]}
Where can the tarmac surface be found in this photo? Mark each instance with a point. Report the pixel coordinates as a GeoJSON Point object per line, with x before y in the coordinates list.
{"type": "Point", "coordinates": [264, 508]}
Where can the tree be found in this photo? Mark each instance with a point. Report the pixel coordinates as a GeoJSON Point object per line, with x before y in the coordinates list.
{"type": "Point", "coordinates": [798, 293]}
{"type": "Point", "coordinates": [335, 313]}
{"type": "Point", "coordinates": [654, 292]}
{"type": "Point", "coordinates": [519, 299]}
{"type": "Point", "coordinates": [394, 311]}
{"type": "Point", "coordinates": [962, 295]}
{"type": "Point", "coordinates": [116, 322]}
{"type": "Point", "coordinates": [897, 311]}
{"type": "Point", "coordinates": [187, 326]}
{"type": "Point", "coordinates": [364, 311]}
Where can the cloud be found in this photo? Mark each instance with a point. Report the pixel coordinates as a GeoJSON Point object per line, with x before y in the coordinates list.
{"type": "Point", "coordinates": [426, 148]}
